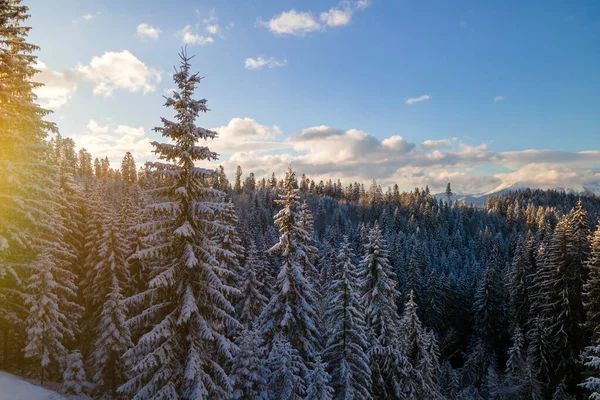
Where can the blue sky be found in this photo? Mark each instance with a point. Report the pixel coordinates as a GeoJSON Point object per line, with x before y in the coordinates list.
{"type": "Point", "coordinates": [509, 92]}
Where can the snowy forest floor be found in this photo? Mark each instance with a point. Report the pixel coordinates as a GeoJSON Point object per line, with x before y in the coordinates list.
{"type": "Point", "coordinates": [14, 388]}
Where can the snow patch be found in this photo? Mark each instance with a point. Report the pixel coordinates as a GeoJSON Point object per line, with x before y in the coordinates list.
{"type": "Point", "coordinates": [15, 388]}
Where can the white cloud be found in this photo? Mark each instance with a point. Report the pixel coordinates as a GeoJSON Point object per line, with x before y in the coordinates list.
{"type": "Point", "coordinates": [145, 31]}
{"type": "Point", "coordinates": [95, 128]}
{"type": "Point", "coordinates": [435, 144]}
{"type": "Point", "coordinates": [362, 4]}
{"type": "Point", "coordinates": [498, 98]}
{"type": "Point", "coordinates": [113, 141]}
{"type": "Point", "coordinates": [355, 155]}
{"type": "Point", "coordinates": [211, 23]}
{"type": "Point", "coordinates": [245, 134]}
{"type": "Point", "coordinates": [260, 62]}
{"type": "Point", "coordinates": [336, 17]}
{"type": "Point", "coordinates": [121, 70]}
{"type": "Point", "coordinates": [413, 100]}
{"type": "Point", "coordinates": [189, 37]}
{"type": "Point", "coordinates": [300, 23]}
{"type": "Point", "coordinates": [87, 17]}
{"type": "Point", "coordinates": [293, 23]}
{"type": "Point", "coordinates": [58, 86]}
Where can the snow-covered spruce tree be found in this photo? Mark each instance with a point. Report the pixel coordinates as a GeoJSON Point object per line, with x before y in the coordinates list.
{"type": "Point", "coordinates": [249, 372]}
{"type": "Point", "coordinates": [28, 184]}
{"type": "Point", "coordinates": [185, 352]}
{"type": "Point", "coordinates": [476, 363]}
{"type": "Point", "coordinates": [516, 366]}
{"type": "Point", "coordinates": [98, 210]}
{"type": "Point", "coordinates": [389, 367]}
{"type": "Point", "coordinates": [566, 312]}
{"type": "Point", "coordinates": [317, 382]}
{"type": "Point", "coordinates": [128, 170]}
{"type": "Point", "coordinates": [112, 337]}
{"type": "Point", "coordinates": [228, 240]}
{"type": "Point", "coordinates": [561, 392]}
{"type": "Point", "coordinates": [420, 348]}
{"type": "Point", "coordinates": [489, 306]}
{"type": "Point", "coordinates": [75, 382]}
{"type": "Point", "coordinates": [47, 326]}
{"type": "Point", "coordinates": [591, 354]}
{"type": "Point", "coordinates": [253, 294]}
{"type": "Point", "coordinates": [307, 244]}
{"type": "Point", "coordinates": [523, 264]}
{"type": "Point", "coordinates": [538, 358]}
{"type": "Point", "coordinates": [346, 347]}
{"type": "Point", "coordinates": [539, 332]}
{"type": "Point", "coordinates": [291, 310]}
{"type": "Point", "coordinates": [287, 371]}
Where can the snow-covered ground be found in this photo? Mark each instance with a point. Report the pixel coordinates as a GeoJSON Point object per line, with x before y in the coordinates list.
{"type": "Point", "coordinates": [14, 388]}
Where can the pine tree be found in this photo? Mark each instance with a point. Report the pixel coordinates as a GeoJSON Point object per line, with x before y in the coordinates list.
{"type": "Point", "coordinates": [47, 325]}
{"type": "Point", "coordinates": [287, 371]}
{"type": "Point", "coordinates": [28, 183]}
{"type": "Point", "coordinates": [420, 349]}
{"type": "Point", "coordinates": [113, 338]}
{"type": "Point", "coordinates": [591, 354]}
{"type": "Point", "coordinates": [346, 348]}
{"type": "Point", "coordinates": [388, 366]}
{"type": "Point", "coordinates": [564, 311]}
{"type": "Point", "coordinates": [493, 383]}
{"type": "Point", "coordinates": [489, 306]}
{"type": "Point", "coordinates": [318, 382]}
{"type": "Point", "coordinates": [476, 364]}
{"type": "Point", "coordinates": [128, 170]}
{"type": "Point", "coordinates": [253, 292]}
{"type": "Point", "coordinates": [75, 382]}
{"type": "Point", "coordinates": [306, 243]}
{"type": "Point", "coordinates": [185, 352]}
{"type": "Point", "coordinates": [516, 365]}
{"type": "Point", "coordinates": [228, 240]}
{"type": "Point", "coordinates": [561, 393]}
{"type": "Point", "coordinates": [291, 310]}
{"type": "Point", "coordinates": [249, 372]}
{"type": "Point", "coordinates": [539, 357]}
{"type": "Point", "coordinates": [84, 167]}
{"type": "Point", "coordinates": [237, 187]}
{"type": "Point", "coordinates": [449, 193]}
{"type": "Point", "coordinates": [520, 280]}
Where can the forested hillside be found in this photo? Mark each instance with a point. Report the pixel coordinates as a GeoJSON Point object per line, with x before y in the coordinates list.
{"type": "Point", "coordinates": [168, 280]}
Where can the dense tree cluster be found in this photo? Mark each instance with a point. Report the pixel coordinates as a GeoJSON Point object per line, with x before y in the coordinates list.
{"type": "Point", "coordinates": [168, 281]}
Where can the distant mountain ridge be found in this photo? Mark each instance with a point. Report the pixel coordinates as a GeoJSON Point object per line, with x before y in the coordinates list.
{"type": "Point", "coordinates": [480, 198]}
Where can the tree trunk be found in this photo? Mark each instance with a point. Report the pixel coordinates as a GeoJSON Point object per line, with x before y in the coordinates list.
{"type": "Point", "coordinates": [42, 377]}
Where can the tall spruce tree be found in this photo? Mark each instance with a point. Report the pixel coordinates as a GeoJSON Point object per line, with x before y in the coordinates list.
{"type": "Point", "coordinates": [346, 346]}
{"type": "Point", "coordinates": [287, 371]}
{"type": "Point", "coordinates": [112, 336]}
{"type": "Point", "coordinates": [420, 349]}
{"type": "Point", "coordinates": [47, 325]}
{"type": "Point", "coordinates": [291, 310]}
{"type": "Point", "coordinates": [389, 368]}
{"type": "Point", "coordinates": [250, 372]}
{"type": "Point", "coordinates": [28, 183]}
{"type": "Point", "coordinates": [318, 382]}
{"type": "Point", "coordinates": [591, 355]}
{"type": "Point", "coordinates": [565, 310]}
{"type": "Point", "coordinates": [253, 292]}
{"type": "Point", "coordinates": [186, 351]}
